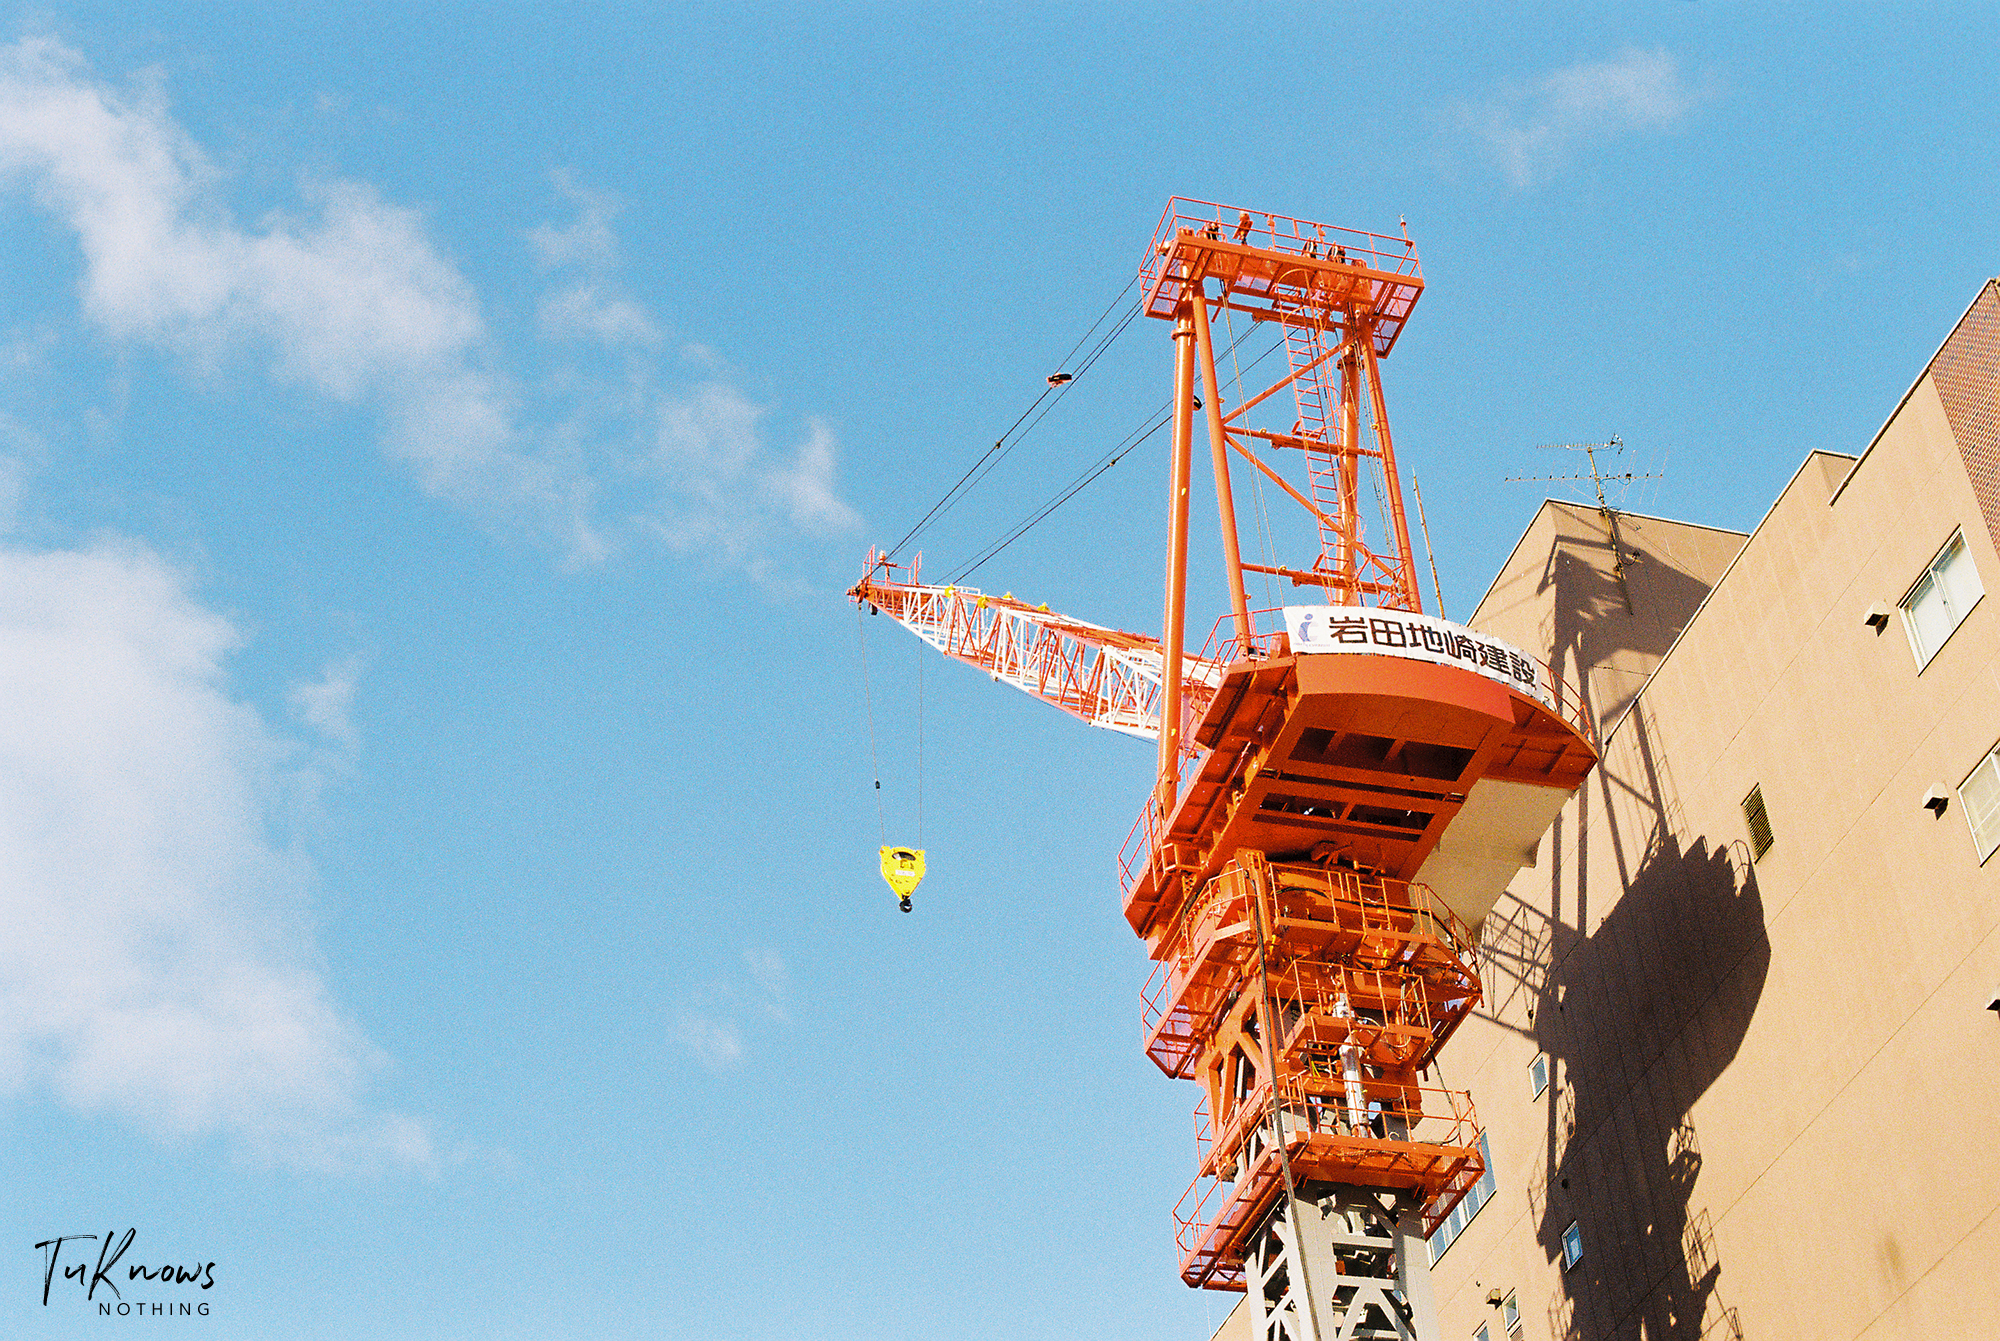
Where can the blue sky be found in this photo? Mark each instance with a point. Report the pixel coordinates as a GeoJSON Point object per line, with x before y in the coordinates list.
{"type": "Point", "coordinates": [435, 824]}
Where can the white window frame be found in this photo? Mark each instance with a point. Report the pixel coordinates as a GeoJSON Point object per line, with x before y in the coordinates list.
{"type": "Point", "coordinates": [1572, 1235]}
{"type": "Point", "coordinates": [1481, 1334]}
{"type": "Point", "coordinates": [1538, 1075]}
{"type": "Point", "coordinates": [1510, 1314]}
{"type": "Point", "coordinates": [1987, 843]}
{"type": "Point", "coordinates": [1964, 556]}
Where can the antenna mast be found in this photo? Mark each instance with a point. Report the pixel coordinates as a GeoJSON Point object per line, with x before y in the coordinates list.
{"type": "Point", "coordinates": [1597, 477]}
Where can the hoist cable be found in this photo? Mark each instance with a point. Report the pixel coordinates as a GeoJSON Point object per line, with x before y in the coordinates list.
{"type": "Point", "coordinates": [920, 751]}
{"type": "Point", "coordinates": [1104, 463]}
{"type": "Point", "coordinates": [868, 702]}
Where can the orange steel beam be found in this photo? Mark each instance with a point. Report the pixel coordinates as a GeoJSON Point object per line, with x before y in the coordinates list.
{"type": "Point", "coordinates": [1174, 621]}
{"type": "Point", "coordinates": [1282, 383]}
{"type": "Point", "coordinates": [1293, 440]}
{"type": "Point", "coordinates": [1284, 484]}
{"type": "Point", "coordinates": [1225, 499]}
{"type": "Point", "coordinates": [1350, 438]}
{"type": "Point", "coordinates": [1412, 594]}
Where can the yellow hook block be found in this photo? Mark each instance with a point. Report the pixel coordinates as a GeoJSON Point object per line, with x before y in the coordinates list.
{"type": "Point", "coordinates": [903, 868]}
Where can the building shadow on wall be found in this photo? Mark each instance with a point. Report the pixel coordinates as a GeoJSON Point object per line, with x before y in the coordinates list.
{"type": "Point", "coordinates": [1638, 1016]}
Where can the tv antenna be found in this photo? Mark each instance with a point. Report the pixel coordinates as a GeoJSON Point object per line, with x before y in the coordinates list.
{"type": "Point", "coordinates": [1598, 478]}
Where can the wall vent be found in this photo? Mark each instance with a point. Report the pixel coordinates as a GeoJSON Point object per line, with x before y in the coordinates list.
{"type": "Point", "coordinates": [1759, 821]}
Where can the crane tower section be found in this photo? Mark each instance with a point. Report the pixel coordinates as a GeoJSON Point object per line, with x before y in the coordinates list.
{"type": "Point", "coordinates": [1334, 811]}
{"type": "Point", "coordinates": [1341, 298]}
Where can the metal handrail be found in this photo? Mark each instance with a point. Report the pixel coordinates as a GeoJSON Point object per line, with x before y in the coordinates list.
{"type": "Point", "coordinates": [1280, 232]}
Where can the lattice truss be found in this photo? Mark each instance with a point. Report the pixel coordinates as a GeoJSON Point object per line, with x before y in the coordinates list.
{"type": "Point", "coordinates": [1341, 297]}
{"type": "Point", "coordinates": [1363, 1253]}
{"type": "Point", "coordinates": [1107, 677]}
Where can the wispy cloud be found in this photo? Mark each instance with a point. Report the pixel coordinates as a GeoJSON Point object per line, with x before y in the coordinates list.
{"type": "Point", "coordinates": [584, 254]}
{"type": "Point", "coordinates": [158, 964]}
{"type": "Point", "coordinates": [1532, 129]}
{"type": "Point", "coordinates": [351, 299]}
{"type": "Point", "coordinates": [326, 704]}
{"type": "Point", "coordinates": [711, 1024]}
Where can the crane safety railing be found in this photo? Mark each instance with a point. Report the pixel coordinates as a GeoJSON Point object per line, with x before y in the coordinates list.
{"type": "Point", "coordinates": [1304, 238]}
{"type": "Point", "coordinates": [1384, 1015]}
{"type": "Point", "coordinates": [1371, 904]}
{"type": "Point", "coordinates": [1430, 1149]}
{"type": "Point", "coordinates": [1322, 274]}
{"type": "Point", "coordinates": [1401, 943]}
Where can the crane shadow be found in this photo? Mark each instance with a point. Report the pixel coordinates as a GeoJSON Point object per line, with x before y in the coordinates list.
{"type": "Point", "coordinates": [1642, 1012]}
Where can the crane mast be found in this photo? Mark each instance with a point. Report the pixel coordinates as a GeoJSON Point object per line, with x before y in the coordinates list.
{"type": "Point", "coordinates": [1343, 790]}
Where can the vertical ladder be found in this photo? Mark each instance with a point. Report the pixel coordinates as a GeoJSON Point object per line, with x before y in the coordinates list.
{"type": "Point", "coordinates": [1309, 390]}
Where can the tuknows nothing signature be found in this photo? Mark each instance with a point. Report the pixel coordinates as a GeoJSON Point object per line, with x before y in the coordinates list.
{"type": "Point", "coordinates": [108, 1257]}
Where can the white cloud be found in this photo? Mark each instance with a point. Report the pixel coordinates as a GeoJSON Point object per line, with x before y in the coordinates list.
{"type": "Point", "coordinates": [723, 483]}
{"type": "Point", "coordinates": [1532, 129]}
{"type": "Point", "coordinates": [711, 1029]}
{"type": "Point", "coordinates": [767, 970]}
{"type": "Point", "coordinates": [805, 486]}
{"type": "Point", "coordinates": [326, 704]}
{"type": "Point", "coordinates": [586, 311]}
{"type": "Point", "coordinates": [714, 1043]}
{"type": "Point", "coordinates": [158, 966]}
{"type": "Point", "coordinates": [590, 306]}
{"type": "Point", "coordinates": [352, 300]}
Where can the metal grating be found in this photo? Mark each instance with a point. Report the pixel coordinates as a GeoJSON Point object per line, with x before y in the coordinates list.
{"type": "Point", "coordinates": [1759, 820]}
{"type": "Point", "coordinates": [1967, 374]}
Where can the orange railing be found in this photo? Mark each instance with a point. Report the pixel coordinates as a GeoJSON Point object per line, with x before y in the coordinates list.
{"type": "Point", "coordinates": [1279, 232]}
{"type": "Point", "coordinates": [1426, 1145]}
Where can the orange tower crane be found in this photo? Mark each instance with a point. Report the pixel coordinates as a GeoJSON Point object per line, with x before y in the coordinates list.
{"type": "Point", "coordinates": [1344, 789]}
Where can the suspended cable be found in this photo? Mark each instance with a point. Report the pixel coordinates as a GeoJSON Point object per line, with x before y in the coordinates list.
{"type": "Point", "coordinates": [1050, 394]}
{"type": "Point", "coordinates": [868, 702]}
{"type": "Point", "coordinates": [920, 751]}
{"type": "Point", "coordinates": [951, 494]}
{"type": "Point", "coordinates": [1102, 315]}
{"type": "Point", "coordinates": [1111, 458]}
{"type": "Point", "coordinates": [1103, 464]}
{"type": "Point", "coordinates": [994, 458]}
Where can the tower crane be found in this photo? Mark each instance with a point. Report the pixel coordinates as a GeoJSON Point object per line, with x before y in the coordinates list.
{"type": "Point", "coordinates": [1343, 790]}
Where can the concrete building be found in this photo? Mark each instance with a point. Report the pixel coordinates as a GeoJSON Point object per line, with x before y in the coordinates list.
{"type": "Point", "coordinates": [1739, 1059]}
{"type": "Point", "coordinates": [1737, 1030]}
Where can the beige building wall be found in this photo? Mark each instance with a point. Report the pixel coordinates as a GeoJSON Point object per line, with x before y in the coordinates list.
{"type": "Point", "coordinates": [1775, 1085]}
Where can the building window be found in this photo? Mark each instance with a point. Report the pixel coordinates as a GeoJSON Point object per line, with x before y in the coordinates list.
{"type": "Point", "coordinates": [1980, 795]}
{"type": "Point", "coordinates": [1538, 1075]}
{"type": "Point", "coordinates": [1461, 1215]}
{"type": "Point", "coordinates": [1480, 1335]}
{"type": "Point", "coordinates": [1510, 1313]}
{"type": "Point", "coordinates": [1572, 1245]}
{"type": "Point", "coordinates": [1941, 600]}
{"type": "Point", "coordinates": [1759, 821]}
